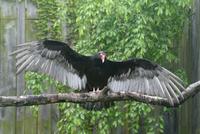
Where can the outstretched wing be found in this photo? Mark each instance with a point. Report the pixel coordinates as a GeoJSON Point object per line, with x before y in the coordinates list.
{"type": "Point", "coordinates": [144, 77]}
{"type": "Point", "coordinates": [54, 58]}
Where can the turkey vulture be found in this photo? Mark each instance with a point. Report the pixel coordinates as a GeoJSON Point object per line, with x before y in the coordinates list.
{"type": "Point", "coordinates": [88, 73]}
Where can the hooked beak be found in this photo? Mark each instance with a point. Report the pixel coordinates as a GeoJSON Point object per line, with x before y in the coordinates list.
{"type": "Point", "coordinates": [103, 58]}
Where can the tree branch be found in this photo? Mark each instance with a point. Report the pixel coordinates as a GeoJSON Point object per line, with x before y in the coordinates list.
{"type": "Point", "coordinates": [29, 100]}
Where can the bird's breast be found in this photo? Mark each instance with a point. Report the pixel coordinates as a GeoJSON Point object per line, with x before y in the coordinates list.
{"type": "Point", "coordinates": [96, 78]}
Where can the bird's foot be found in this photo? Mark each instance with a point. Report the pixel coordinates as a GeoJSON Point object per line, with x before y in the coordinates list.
{"type": "Point", "coordinates": [96, 90]}
{"type": "Point", "coordinates": [93, 90]}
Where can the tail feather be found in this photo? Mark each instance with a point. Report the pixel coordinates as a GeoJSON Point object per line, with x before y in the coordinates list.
{"type": "Point", "coordinates": [96, 105]}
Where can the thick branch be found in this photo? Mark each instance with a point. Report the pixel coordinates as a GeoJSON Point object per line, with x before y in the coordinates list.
{"type": "Point", "coordinates": [29, 100]}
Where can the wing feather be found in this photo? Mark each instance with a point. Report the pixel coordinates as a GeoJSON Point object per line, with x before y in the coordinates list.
{"type": "Point", "coordinates": [22, 54]}
{"type": "Point", "coordinates": [177, 84]}
{"type": "Point", "coordinates": [160, 86]}
{"type": "Point", "coordinates": [167, 94]}
{"type": "Point", "coordinates": [175, 88]}
{"type": "Point", "coordinates": [21, 60]}
{"type": "Point", "coordinates": [172, 92]}
{"type": "Point", "coordinates": [146, 88]}
{"type": "Point", "coordinates": [25, 63]}
{"type": "Point", "coordinates": [144, 77]}
{"type": "Point", "coordinates": [53, 58]}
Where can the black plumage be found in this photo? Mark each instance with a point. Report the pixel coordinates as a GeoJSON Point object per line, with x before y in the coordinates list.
{"type": "Point", "coordinates": [88, 73]}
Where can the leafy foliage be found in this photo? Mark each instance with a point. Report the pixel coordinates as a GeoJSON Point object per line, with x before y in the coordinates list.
{"type": "Point", "coordinates": [123, 28]}
{"type": "Point", "coordinates": [48, 24]}
{"type": "Point", "coordinates": [127, 28]}
{"type": "Point", "coordinates": [107, 120]}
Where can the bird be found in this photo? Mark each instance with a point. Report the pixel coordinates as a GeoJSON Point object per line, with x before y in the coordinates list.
{"type": "Point", "coordinates": [96, 72]}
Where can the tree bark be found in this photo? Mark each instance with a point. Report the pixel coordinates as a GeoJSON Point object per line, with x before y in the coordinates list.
{"type": "Point", "coordinates": [43, 99]}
